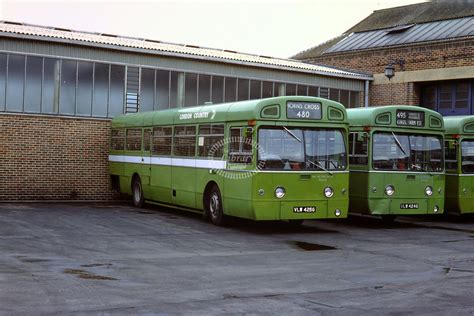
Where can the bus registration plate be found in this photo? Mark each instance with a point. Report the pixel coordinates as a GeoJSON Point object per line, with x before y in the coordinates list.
{"type": "Point", "coordinates": [304, 209]}
{"type": "Point", "coordinates": [409, 206]}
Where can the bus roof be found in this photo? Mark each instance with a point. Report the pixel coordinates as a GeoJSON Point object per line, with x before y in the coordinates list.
{"type": "Point", "coordinates": [459, 124]}
{"type": "Point", "coordinates": [386, 116]}
{"type": "Point", "coordinates": [226, 112]}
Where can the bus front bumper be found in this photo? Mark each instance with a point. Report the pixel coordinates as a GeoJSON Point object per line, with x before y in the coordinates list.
{"type": "Point", "coordinates": [404, 206]}
{"type": "Point", "coordinates": [302, 209]}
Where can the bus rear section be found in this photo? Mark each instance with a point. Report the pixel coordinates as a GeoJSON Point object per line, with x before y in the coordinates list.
{"type": "Point", "coordinates": [397, 161]}
{"type": "Point", "coordinates": [459, 151]}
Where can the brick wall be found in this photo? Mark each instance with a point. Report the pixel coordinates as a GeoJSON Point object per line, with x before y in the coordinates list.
{"type": "Point", "coordinates": [52, 158]}
{"type": "Point", "coordinates": [394, 93]}
{"type": "Point", "coordinates": [417, 57]}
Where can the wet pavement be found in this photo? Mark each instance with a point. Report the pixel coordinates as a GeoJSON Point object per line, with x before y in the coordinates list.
{"type": "Point", "coordinates": [115, 259]}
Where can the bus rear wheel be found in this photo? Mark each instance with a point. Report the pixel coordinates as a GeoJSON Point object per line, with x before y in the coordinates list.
{"type": "Point", "coordinates": [137, 192]}
{"type": "Point", "coordinates": [214, 207]}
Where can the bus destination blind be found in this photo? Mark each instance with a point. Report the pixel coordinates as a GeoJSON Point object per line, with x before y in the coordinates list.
{"type": "Point", "coordinates": [410, 118]}
{"type": "Point", "coordinates": [303, 110]}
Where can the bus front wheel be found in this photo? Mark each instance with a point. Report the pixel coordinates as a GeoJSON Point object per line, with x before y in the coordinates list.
{"type": "Point", "coordinates": [137, 192]}
{"type": "Point", "coordinates": [214, 207]}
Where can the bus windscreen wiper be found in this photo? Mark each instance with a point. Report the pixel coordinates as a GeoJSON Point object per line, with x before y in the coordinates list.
{"type": "Point", "coordinates": [399, 144]}
{"type": "Point", "coordinates": [292, 134]}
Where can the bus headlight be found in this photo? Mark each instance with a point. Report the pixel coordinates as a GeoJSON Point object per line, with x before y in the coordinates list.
{"type": "Point", "coordinates": [337, 212]}
{"type": "Point", "coordinates": [389, 190]}
{"type": "Point", "coordinates": [429, 191]}
{"type": "Point", "coordinates": [436, 209]}
{"type": "Point", "coordinates": [280, 192]}
{"type": "Point", "coordinates": [328, 192]}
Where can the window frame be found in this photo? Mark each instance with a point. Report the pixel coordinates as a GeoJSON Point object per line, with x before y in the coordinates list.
{"type": "Point", "coordinates": [175, 137]}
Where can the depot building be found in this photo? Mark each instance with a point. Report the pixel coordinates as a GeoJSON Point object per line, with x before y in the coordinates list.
{"type": "Point", "coordinates": [59, 90]}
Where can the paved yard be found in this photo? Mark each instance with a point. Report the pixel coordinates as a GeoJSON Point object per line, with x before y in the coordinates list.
{"type": "Point", "coordinates": [67, 258]}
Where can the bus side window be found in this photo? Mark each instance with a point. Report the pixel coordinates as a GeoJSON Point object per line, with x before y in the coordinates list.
{"type": "Point", "coordinates": [450, 153]}
{"type": "Point", "coordinates": [240, 145]}
{"type": "Point", "coordinates": [358, 144]}
{"type": "Point", "coordinates": [162, 140]}
{"type": "Point", "coordinates": [184, 141]}
{"type": "Point", "coordinates": [118, 139]}
{"type": "Point", "coordinates": [211, 141]}
{"type": "Point", "coordinates": [134, 139]}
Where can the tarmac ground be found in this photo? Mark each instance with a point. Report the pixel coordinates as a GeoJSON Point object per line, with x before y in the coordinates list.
{"type": "Point", "coordinates": [116, 259]}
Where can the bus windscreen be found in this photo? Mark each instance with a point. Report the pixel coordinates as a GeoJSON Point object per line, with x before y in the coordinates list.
{"type": "Point", "coordinates": [405, 152]}
{"type": "Point", "coordinates": [297, 149]}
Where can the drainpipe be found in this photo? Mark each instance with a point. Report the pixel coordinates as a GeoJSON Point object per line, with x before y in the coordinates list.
{"type": "Point", "coordinates": [366, 96]}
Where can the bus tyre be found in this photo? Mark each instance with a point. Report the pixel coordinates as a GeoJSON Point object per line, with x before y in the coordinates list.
{"type": "Point", "coordinates": [214, 207]}
{"type": "Point", "coordinates": [137, 193]}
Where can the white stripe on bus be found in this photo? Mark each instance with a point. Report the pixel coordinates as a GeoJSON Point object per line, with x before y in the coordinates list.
{"type": "Point", "coordinates": [176, 162]}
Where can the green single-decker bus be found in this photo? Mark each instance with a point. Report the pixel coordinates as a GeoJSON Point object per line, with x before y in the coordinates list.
{"type": "Point", "coordinates": [459, 151]}
{"type": "Point", "coordinates": [396, 161]}
{"type": "Point", "coordinates": [282, 158]}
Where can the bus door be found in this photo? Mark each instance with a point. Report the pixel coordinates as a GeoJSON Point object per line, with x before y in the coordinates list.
{"type": "Point", "coordinates": [160, 164]}
{"type": "Point", "coordinates": [145, 171]}
{"type": "Point", "coordinates": [183, 170]}
{"type": "Point", "coordinates": [238, 179]}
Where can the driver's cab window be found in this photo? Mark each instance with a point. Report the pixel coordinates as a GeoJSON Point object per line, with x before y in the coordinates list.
{"type": "Point", "coordinates": [450, 150]}
{"type": "Point", "coordinates": [358, 148]}
{"type": "Point", "coordinates": [240, 145]}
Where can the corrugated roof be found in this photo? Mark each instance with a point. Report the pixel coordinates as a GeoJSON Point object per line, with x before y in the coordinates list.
{"type": "Point", "coordinates": [12, 29]}
{"type": "Point", "coordinates": [425, 32]}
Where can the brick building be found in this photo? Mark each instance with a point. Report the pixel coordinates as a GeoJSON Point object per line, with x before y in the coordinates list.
{"type": "Point", "coordinates": [429, 45]}
{"type": "Point", "coordinates": [60, 88]}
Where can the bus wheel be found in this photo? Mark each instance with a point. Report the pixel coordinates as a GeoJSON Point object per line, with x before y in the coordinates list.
{"type": "Point", "coordinates": [137, 192]}
{"type": "Point", "coordinates": [388, 219]}
{"type": "Point", "coordinates": [214, 206]}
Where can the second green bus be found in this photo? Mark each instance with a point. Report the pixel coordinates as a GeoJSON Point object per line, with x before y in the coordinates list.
{"type": "Point", "coordinates": [396, 161]}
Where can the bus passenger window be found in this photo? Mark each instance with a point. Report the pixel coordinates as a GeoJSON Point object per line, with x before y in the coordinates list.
{"type": "Point", "coordinates": [211, 141]}
{"type": "Point", "coordinates": [118, 139]}
{"type": "Point", "coordinates": [358, 148]}
{"type": "Point", "coordinates": [240, 146]}
{"type": "Point", "coordinates": [134, 139]}
{"type": "Point", "coordinates": [162, 137]}
{"type": "Point", "coordinates": [184, 141]}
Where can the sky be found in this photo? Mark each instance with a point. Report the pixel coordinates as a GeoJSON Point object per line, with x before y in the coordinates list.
{"type": "Point", "coordinates": [276, 28]}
